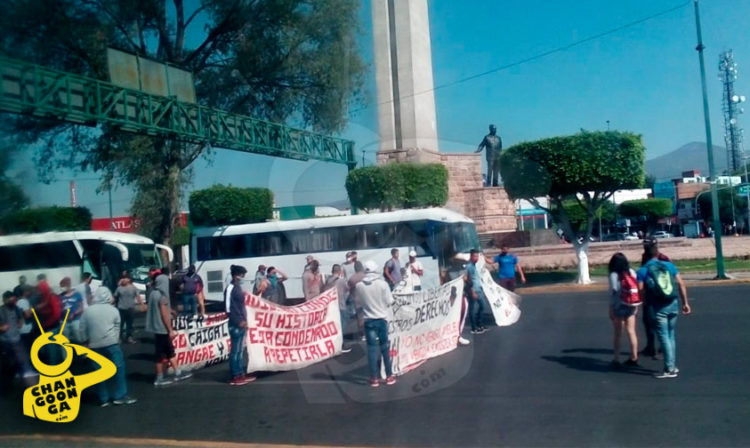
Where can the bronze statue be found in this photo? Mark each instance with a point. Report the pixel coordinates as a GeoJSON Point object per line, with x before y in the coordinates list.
{"type": "Point", "coordinates": [494, 145]}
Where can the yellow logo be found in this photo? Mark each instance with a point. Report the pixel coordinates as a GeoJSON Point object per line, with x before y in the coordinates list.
{"type": "Point", "coordinates": [57, 397]}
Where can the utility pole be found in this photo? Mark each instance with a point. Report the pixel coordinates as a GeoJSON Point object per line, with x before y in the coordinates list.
{"type": "Point", "coordinates": [709, 145]}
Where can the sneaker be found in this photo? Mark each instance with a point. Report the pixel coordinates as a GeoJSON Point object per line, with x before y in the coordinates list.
{"type": "Point", "coordinates": [363, 339]}
{"type": "Point", "coordinates": [463, 341]}
{"type": "Point", "coordinates": [125, 400]}
{"type": "Point", "coordinates": [631, 363]}
{"type": "Point", "coordinates": [180, 376]}
{"type": "Point", "coordinates": [391, 380]}
{"type": "Point", "coordinates": [106, 404]}
{"type": "Point", "coordinates": [475, 332]}
{"type": "Point", "coordinates": [162, 382]}
{"type": "Point", "coordinates": [241, 380]}
{"type": "Point", "coordinates": [346, 349]}
{"type": "Point", "coordinates": [667, 374]}
{"type": "Point", "coordinates": [374, 382]}
{"type": "Point", "coordinates": [481, 330]}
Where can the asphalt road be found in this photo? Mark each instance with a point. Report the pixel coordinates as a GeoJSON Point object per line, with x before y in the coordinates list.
{"type": "Point", "coordinates": [545, 381]}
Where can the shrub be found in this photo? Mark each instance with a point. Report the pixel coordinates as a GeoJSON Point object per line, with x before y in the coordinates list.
{"type": "Point", "coordinates": [46, 219]}
{"type": "Point", "coordinates": [398, 185]}
{"type": "Point", "coordinates": [226, 205]}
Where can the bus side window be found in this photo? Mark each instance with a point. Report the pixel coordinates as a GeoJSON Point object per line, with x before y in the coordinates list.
{"type": "Point", "coordinates": [89, 267]}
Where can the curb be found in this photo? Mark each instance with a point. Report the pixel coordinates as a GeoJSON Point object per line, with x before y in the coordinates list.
{"type": "Point", "coordinates": [602, 286]}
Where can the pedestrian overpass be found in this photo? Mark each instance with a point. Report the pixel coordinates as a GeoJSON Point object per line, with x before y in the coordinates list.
{"type": "Point", "coordinates": [34, 90]}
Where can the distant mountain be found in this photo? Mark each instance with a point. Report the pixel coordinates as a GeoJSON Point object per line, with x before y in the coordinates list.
{"type": "Point", "coordinates": [692, 156]}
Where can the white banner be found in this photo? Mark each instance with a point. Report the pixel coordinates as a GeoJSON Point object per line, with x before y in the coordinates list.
{"type": "Point", "coordinates": [504, 303]}
{"type": "Point", "coordinates": [425, 324]}
{"type": "Point", "coordinates": [201, 342]}
{"type": "Point", "coordinates": [292, 337]}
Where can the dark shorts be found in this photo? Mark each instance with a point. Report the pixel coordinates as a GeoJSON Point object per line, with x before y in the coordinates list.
{"type": "Point", "coordinates": [508, 283]}
{"type": "Point", "coordinates": [624, 311]}
{"type": "Point", "coordinates": [164, 349]}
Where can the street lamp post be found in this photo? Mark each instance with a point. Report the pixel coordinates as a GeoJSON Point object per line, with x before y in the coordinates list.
{"type": "Point", "coordinates": [709, 145]}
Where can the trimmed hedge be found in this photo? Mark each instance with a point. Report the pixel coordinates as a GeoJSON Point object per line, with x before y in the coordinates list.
{"type": "Point", "coordinates": [47, 219]}
{"type": "Point", "coordinates": [397, 186]}
{"type": "Point", "coordinates": [226, 205]}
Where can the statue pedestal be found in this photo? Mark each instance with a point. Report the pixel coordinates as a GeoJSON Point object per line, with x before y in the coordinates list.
{"type": "Point", "coordinates": [491, 209]}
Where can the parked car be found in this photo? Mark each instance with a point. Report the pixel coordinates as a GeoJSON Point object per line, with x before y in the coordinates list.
{"type": "Point", "coordinates": [662, 234]}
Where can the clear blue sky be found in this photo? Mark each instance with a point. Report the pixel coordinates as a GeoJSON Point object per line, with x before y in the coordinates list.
{"type": "Point", "coordinates": [643, 79]}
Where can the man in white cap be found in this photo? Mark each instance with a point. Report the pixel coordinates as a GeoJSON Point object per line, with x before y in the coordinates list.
{"type": "Point", "coordinates": [376, 298]}
{"type": "Point", "coordinates": [414, 272]}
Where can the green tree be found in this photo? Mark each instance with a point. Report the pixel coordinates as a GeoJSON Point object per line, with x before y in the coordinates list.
{"type": "Point", "coordinates": [587, 168]}
{"type": "Point", "coordinates": [12, 197]}
{"type": "Point", "coordinates": [398, 186]}
{"type": "Point", "coordinates": [275, 60]}
{"type": "Point", "coordinates": [651, 209]}
{"type": "Point", "coordinates": [732, 206]}
{"type": "Point", "coordinates": [578, 218]}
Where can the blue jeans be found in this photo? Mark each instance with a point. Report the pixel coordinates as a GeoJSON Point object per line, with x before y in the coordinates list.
{"type": "Point", "coordinates": [344, 317]}
{"type": "Point", "coordinates": [475, 315]}
{"type": "Point", "coordinates": [376, 330]}
{"type": "Point", "coordinates": [189, 304]}
{"type": "Point", "coordinates": [665, 319]}
{"type": "Point", "coordinates": [118, 383]}
{"type": "Point", "coordinates": [237, 351]}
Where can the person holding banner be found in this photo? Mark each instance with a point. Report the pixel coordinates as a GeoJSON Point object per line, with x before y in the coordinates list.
{"type": "Point", "coordinates": [337, 280]}
{"type": "Point", "coordinates": [475, 293]}
{"type": "Point", "coordinates": [508, 267]}
{"type": "Point", "coordinates": [376, 298]}
{"type": "Point", "coordinates": [235, 302]}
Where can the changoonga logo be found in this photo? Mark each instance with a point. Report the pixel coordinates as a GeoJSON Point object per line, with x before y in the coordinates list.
{"type": "Point", "coordinates": [57, 397]}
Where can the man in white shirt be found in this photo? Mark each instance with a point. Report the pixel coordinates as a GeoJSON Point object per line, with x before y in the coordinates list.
{"type": "Point", "coordinates": [414, 272]}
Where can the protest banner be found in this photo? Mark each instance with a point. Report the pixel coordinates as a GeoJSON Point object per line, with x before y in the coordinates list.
{"type": "Point", "coordinates": [425, 324]}
{"type": "Point", "coordinates": [292, 337]}
{"type": "Point", "coordinates": [503, 303]}
{"type": "Point", "coordinates": [201, 341]}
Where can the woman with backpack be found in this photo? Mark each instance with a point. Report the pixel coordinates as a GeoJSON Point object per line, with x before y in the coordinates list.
{"type": "Point", "coordinates": [623, 306]}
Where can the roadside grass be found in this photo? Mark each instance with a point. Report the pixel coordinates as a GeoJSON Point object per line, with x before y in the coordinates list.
{"type": "Point", "coordinates": [569, 275]}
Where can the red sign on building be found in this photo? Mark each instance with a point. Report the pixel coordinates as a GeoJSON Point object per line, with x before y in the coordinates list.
{"type": "Point", "coordinates": [126, 224]}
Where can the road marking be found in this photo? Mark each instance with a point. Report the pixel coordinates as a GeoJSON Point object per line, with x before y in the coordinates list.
{"type": "Point", "coordinates": [143, 442]}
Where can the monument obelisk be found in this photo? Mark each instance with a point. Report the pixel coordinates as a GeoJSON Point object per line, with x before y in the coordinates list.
{"type": "Point", "coordinates": [407, 121]}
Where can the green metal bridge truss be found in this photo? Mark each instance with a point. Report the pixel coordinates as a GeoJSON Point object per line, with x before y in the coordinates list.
{"type": "Point", "coordinates": [31, 89]}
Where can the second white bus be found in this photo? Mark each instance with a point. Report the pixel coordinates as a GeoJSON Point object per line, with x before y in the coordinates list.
{"type": "Point", "coordinates": [441, 238]}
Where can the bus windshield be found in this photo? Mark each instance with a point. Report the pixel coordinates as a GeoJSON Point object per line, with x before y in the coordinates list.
{"type": "Point", "coordinates": [465, 237]}
{"type": "Point", "coordinates": [141, 258]}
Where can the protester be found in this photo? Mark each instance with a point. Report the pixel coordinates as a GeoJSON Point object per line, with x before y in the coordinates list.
{"type": "Point", "coordinates": [649, 325]}
{"type": "Point", "coordinates": [260, 275]}
{"type": "Point", "coordinates": [337, 280]}
{"type": "Point", "coordinates": [475, 294]}
{"type": "Point", "coordinates": [623, 306]}
{"type": "Point", "coordinates": [508, 267]}
{"type": "Point", "coordinates": [159, 322]}
{"type": "Point", "coordinates": [275, 292]}
{"type": "Point", "coordinates": [127, 297]}
{"type": "Point", "coordinates": [100, 326]}
{"type": "Point", "coordinates": [414, 272]}
{"type": "Point", "coordinates": [660, 284]}
{"type": "Point", "coordinates": [376, 299]}
{"type": "Point", "coordinates": [48, 307]}
{"type": "Point", "coordinates": [359, 274]}
{"type": "Point", "coordinates": [308, 262]}
{"type": "Point", "coordinates": [24, 304]}
{"type": "Point", "coordinates": [392, 270]}
{"type": "Point", "coordinates": [191, 286]}
{"type": "Point", "coordinates": [13, 355]}
{"type": "Point", "coordinates": [234, 298]}
{"type": "Point", "coordinates": [84, 289]}
{"type": "Point", "coordinates": [312, 280]}
{"type": "Point", "coordinates": [72, 304]}
{"type": "Point", "coordinates": [18, 290]}
{"type": "Point", "coordinates": [348, 267]}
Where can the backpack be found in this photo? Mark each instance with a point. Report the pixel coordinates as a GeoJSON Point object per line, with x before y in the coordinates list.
{"type": "Point", "coordinates": [661, 287]}
{"type": "Point", "coordinates": [629, 290]}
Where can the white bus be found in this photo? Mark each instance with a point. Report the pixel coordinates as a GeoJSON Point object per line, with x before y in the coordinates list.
{"type": "Point", "coordinates": [69, 254]}
{"type": "Point", "coordinates": [441, 238]}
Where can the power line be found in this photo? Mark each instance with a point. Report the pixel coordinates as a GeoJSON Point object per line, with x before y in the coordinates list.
{"type": "Point", "coordinates": [537, 56]}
